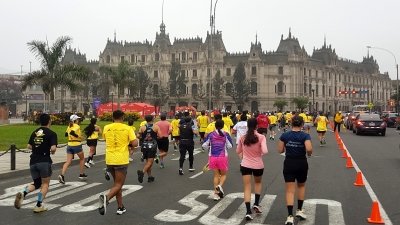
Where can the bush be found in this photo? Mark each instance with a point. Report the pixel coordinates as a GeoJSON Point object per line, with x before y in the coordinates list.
{"type": "Point", "coordinates": [56, 118]}
{"type": "Point", "coordinates": [128, 115]}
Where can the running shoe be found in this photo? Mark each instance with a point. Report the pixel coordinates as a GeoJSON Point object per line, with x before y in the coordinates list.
{"type": "Point", "coordinates": [87, 165]}
{"type": "Point", "coordinates": [130, 159]}
{"type": "Point", "coordinates": [220, 191]}
{"type": "Point", "coordinates": [82, 176]}
{"type": "Point", "coordinates": [19, 198]}
{"type": "Point", "coordinates": [102, 204]}
{"type": "Point", "coordinates": [257, 209]}
{"type": "Point", "coordinates": [180, 171]}
{"type": "Point", "coordinates": [39, 209]}
{"type": "Point", "coordinates": [248, 217]}
{"type": "Point", "coordinates": [150, 179]}
{"type": "Point", "coordinates": [162, 165]}
{"type": "Point", "coordinates": [157, 159]}
{"type": "Point", "coordinates": [107, 174]}
{"type": "Point", "coordinates": [289, 220]}
{"type": "Point", "coordinates": [191, 169]}
{"type": "Point", "coordinates": [140, 176]}
{"type": "Point", "coordinates": [61, 179]}
{"type": "Point", "coordinates": [300, 214]}
{"type": "Point", "coordinates": [91, 162]}
{"type": "Point", "coordinates": [121, 210]}
{"type": "Point", "coordinates": [216, 197]}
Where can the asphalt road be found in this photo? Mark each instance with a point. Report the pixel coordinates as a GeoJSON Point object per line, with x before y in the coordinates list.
{"type": "Point", "coordinates": [172, 199]}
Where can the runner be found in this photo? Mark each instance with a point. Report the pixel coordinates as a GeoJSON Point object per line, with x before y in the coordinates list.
{"type": "Point", "coordinates": [308, 123]}
{"type": "Point", "coordinates": [296, 145]}
{"type": "Point", "coordinates": [272, 126]}
{"type": "Point", "coordinates": [74, 146]}
{"type": "Point", "coordinates": [227, 121]}
{"type": "Point", "coordinates": [322, 127]}
{"type": "Point", "coordinates": [338, 121]}
{"type": "Point", "coordinates": [186, 143]}
{"type": "Point", "coordinates": [92, 132]}
{"type": "Point", "coordinates": [240, 128]}
{"type": "Point", "coordinates": [43, 142]}
{"type": "Point", "coordinates": [219, 142]}
{"type": "Point", "coordinates": [211, 126]}
{"type": "Point", "coordinates": [262, 124]}
{"type": "Point", "coordinates": [175, 131]}
{"type": "Point", "coordinates": [131, 148]}
{"type": "Point", "coordinates": [117, 136]}
{"type": "Point", "coordinates": [250, 149]}
{"type": "Point", "coordinates": [163, 141]}
{"type": "Point", "coordinates": [149, 134]}
{"type": "Point", "coordinates": [203, 122]}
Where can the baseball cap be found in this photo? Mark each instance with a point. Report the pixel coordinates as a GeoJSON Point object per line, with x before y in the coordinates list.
{"type": "Point", "coordinates": [74, 117]}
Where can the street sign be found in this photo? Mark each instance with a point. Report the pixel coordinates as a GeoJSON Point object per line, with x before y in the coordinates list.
{"type": "Point", "coordinates": [370, 105]}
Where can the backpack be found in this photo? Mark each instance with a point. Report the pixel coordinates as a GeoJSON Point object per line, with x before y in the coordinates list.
{"type": "Point", "coordinates": [186, 131]}
{"type": "Point", "coordinates": [149, 139]}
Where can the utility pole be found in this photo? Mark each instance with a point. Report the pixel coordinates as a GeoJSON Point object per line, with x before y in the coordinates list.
{"type": "Point", "coordinates": [211, 50]}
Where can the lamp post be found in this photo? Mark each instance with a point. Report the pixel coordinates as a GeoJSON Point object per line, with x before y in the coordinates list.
{"type": "Point", "coordinates": [397, 74]}
{"type": "Point", "coordinates": [112, 102]}
{"type": "Point", "coordinates": [211, 51]}
{"type": "Point", "coordinates": [26, 106]}
{"type": "Point", "coordinates": [313, 100]}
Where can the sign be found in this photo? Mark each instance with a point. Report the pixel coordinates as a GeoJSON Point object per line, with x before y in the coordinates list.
{"type": "Point", "coordinates": [370, 105]}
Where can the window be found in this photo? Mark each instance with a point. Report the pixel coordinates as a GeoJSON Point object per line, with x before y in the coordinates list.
{"type": "Point", "coordinates": [183, 56]}
{"type": "Point", "coordinates": [253, 70]}
{"type": "Point", "coordinates": [143, 58]}
{"type": "Point", "coordinates": [173, 57]}
{"type": "Point", "coordinates": [122, 58]}
{"type": "Point", "coordinates": [305, 88]}
{"type": "Point", "coordinates": [323, 90]}
{"type": "Point", "coordinates": [228, 71]}
{"type": "Point", "coordinates": [280, 70]}
{"type": "Point", "coordinates": [329, 75]}
{"type": "Point", "coordinates": [194, 73]}
{"type": "Point", "coordinates": [228, 88]}
{"type": "Point", "coordinates": [155, 89]}
{"type": "Point", "coordinates": [253, 88]}
{"type": "Point", "coordinates": [305, 71]}
{"type": "Point", "coordinates": [309, 73]}
{"type": "Point", "coordinates": [108, 59]}
{"type": "Point", "coordinates": [208, 72]}
{"type": "Point", "coordinates": [183, 73]}
{"type": "Point", "coordinates": [280, 87]}
{"type": "Point", "coordinates": [309, 89]}
{"type": "Point", "coordinates": [194, 90]}
{"type": "Point", "coordinates": [316, 73]}
{"type": "Point", "coordinates": [316, 90]}
{"type": "Point", "coordinates": [155, 73]}
{"type": "Point", "coordinates": [194, 56]}
{"type": "Point", "coordinates": [157, 57]}
{"type": "Point", "coordinates": [132, 58]}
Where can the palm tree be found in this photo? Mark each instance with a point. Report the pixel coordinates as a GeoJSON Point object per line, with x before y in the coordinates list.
{"type": "Point", "coordinates": [53, 74]}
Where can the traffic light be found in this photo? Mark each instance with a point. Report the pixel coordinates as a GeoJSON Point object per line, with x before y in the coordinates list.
{"type": "Point", "coordinates": [354, 92]}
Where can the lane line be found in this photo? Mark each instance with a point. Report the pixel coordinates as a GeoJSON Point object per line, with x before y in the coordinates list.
{"type": "Point", "coordinates": [196, 175]}
{"type": "Point", "coordinates": [369, 189]}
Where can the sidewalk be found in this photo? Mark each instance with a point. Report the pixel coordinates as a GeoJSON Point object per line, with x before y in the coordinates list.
{"type": "Point", "coordinates": [22, 160]}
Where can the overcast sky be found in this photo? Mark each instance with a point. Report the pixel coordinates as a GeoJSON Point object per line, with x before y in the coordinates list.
{"type": "Point", "coordinates": [349, 25]}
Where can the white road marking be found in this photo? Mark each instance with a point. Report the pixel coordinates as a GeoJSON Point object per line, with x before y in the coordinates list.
{"type": "Point", "coordinates": [196, 175]}
{"type": "Point", "coordinates": [195, 152]}
{"type": "Point", "coordinates": [335, 211]}
{"type": "Point", "coordinates": [370, 191]}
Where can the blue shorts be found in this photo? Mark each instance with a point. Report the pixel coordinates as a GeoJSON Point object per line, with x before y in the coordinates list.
{"type": "Point", "coordinates": [41, 170]}
{"type": "Point", "coordinates": [74, 149]}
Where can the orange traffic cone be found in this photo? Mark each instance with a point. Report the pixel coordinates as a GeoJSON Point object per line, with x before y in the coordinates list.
{"type": "Point", "coordinates": [341, 147]}
{"type": "Point", "coordinates": [375, 216]}
{"type": "Point", "coordinates": [349, 162]}
{"type": "Point", "coordinates": [359, 179]}
{"type": "Point", "coordinates": [344, 155]}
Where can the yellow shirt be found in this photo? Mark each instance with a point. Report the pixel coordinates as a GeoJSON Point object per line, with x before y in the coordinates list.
{"type": "Point", "coordinates": [72, 140]}
{"type": "Point", "coordinates": [143, 123]}
{"type": "Point", "coordinates": [272, 119]}
{"type": "Point", "coordinates": [227, 121]}
{"type": "Point", "coordinates": [202, 123]}
{"type": "Point", "coordinates": [288, 117]}
{"type": "Point", "coordinates": [95, 134]}
{"type": "Point", "coordinates": [117, 137]}
{"type": "Point", "coordinates": [338, 117]}
{"type": "Point", "coordinates": [175, 127]}
{"type": "Point", "coordinates": [322, 121]}
{"type": "Point", "coordinates": [304, 116]}
{"type": "Point", "coordinates": [279, 115]}
{"type": "Point", "coordinates": [211, 128]}
{"type": "Point", "coordinates": [308, 119]}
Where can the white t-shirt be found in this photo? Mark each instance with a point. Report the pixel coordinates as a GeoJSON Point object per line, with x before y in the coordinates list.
{"type": "Point", "coordinates": [241, 130]}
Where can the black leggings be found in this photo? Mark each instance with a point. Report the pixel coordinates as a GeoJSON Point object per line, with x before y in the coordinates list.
{"type": "Point", "coordinates": [338, 126]}
{"type": "Point", "coordinates": [183, 148]}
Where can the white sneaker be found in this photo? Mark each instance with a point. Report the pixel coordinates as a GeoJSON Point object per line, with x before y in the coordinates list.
{"type": "Point", "coordinates": [87, 165]}
{"type": "Point", "coordinates": [289, 220]}
{"type": "Point", "coordinates": [216, 197]}
{"type": "Point", "coordinates": [300, 214]}
{"type": "Point", "coordinates": [91, 162]}
{"type": "Point", "coordinates": [130, 159]}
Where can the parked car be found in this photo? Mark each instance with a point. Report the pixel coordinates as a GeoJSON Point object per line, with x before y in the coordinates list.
{"type": "Point", "coordinates": [350, 120]}
{"type": "Point", "coordinates": [369, 123]}
{"type": "Point", "coordinates": [398, 122]}
{"type": "Point", "coordinates": [390, 119]}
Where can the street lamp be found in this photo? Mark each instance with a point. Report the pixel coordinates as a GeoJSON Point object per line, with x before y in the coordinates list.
{"type": "Point", "coordinates": [112, 102]}
{"type": "Point", "coordinates": [26, 105]}
{"type": "Point", "coordinates": [397, 74]}
{"type": "Point", "coordinates": [313, 100]}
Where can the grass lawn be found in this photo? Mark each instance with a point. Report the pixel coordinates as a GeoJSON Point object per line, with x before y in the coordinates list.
{"type": "Point", "coordinates": [19, 134]}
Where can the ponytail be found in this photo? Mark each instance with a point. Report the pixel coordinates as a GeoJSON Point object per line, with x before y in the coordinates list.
{"type": "Point", "coordinates": [219, 124]}
{"type": "Point", "coordinates": [250, 137]}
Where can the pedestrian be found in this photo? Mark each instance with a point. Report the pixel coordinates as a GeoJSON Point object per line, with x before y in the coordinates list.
{"type": "Point", "coordinates": [240, 128]}
{"type": "Point", "coordinates": [202, 122]}
{"type": "Point", "coordinates": [42, 142]}
{"type": "Point", "coordinates": [74, 146]}
{"type": "Point", "coordinates": [338, 121]}
{"type": "Point", "coordinates": [296, 145]}
{"type": "Point", "coordinates": [133, 128]}
{"type": "Point", "coordinates": [322, 127]}
{"type": "Point", "coordinates": [262, 123]}
{"type": "Point", "coordinates": [118, 136]}
{"type": "Point", "coordinates": [163, 141]}
{"type": "Point", "coordinates": [175, 131]}
{"type": "Point", "coordinates": [250, 149]}
{"type": "Point", "coordinates": [272, 126]}
{"type": "Point", "coordinates": [92, 132]}
{"type": "Point", "coordinates": [148, 133]}
{"type": "Point", "coordinates": [219, 142]}
{"type": "Point", "coordinates": [186, 143]}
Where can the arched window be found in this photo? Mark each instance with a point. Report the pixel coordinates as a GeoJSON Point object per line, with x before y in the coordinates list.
{"type": "Point", "coordinates": [155, 89]}
{"type": "Point", "coordinates": [309, 89]}
{"type": "Point", "coordinates": [108, 59]}
{"type": "Point", "coordinates": [305, 88]}
{"type": "Point", "coordinates": [253, 88]}
{"type": "Point", "coordinates": [254, 106]}
{"type": "Point", "coordinates": [228, 88]}
{"type": "Point", "coordinates": [194, 90]}
{"type": "Point", "coordinates": [157, 57]}
{"type": "Point", "coordinates": [280, 87]}
{"type": "Point", "coordinates": [182, 89]}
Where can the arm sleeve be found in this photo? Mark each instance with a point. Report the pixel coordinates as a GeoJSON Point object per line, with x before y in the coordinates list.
{"type": "Point", "coordinates": [229, 141]}
{"type": "Point", "coordinates": [30, 141]}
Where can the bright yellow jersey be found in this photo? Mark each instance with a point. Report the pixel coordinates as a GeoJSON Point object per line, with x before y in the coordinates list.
{"type": "Point", "coordinates": [272, 119]}
{"type": "Point", "coordinates": [143, 123]}
{"type": "Point", "coordinates": [95, 134]}
{"type": "Point", "coordinates": [117, 137]}
{"type": "Point", "coordinates": [322, 122]}
{"type": "Point", "coordinates": [202, 123]}
{"type": "Point", "coordinates": [338, 118]}
{"type": "Point", "coordinates": [227, 121]}
{"type": "Point", "coordinates": [304, 116]}
{"type": "Point", "coordinates": [288, 117]}
{"type": "Point", "coordinates": [279, 115]}
{"type": "Point", "coordinates": [72, 140]}
{"type": "Point", "coordinates": [211, 128]}
{"type": "Point", "coordinates": [308, 119]}
{"type": "Point", "coordinates": [175, 127]}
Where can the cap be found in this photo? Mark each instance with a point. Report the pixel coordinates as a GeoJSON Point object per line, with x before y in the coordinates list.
{"type": "Point", "coordinates": [74, 117]}
{"type": "Point", "coordinates": [340, 111]}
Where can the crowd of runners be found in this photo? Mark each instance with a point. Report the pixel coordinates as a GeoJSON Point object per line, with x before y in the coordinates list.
{"type": "Point", "coordinates": [215, 132]}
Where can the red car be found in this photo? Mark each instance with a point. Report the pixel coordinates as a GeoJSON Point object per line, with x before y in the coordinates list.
{"type": "Point", "coordinates": [390, 119]}
{"type": "Point", "coordinates": [369, 123]}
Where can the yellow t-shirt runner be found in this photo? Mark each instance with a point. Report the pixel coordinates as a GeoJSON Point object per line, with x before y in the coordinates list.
{"type": "Point", "coordinates": [175, 127]}
{"type": "Point", "coordinates": [322, 122]}
{"type": "Point", "coordinates": [304, 116]}
{"type": "Point", "coordinates": [211, 128]}
{"type": "Point", "coordinates": [202, 123]}
{"type": "Point", "coordinates": [272, 119]}
{"type": "Point", "coordinates": [118, 136]}
{"type": "Point", "coordinates": [227, 121]}
{"type": "Point", "coordinates": [72, 140]}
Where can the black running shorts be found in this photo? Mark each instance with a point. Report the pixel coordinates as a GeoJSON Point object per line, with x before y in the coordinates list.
{"type": "Point", "coordinates": [250, 171]}
{"type": "Point", "coordinates": [163, 144]}
{"type": "Point", "coordinates": [295, 170]}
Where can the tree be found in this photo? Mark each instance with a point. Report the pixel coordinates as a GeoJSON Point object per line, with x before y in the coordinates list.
{"type": "Point", "coordinates": [177, 83]}
{"type": "Point", "coordinates": [10, 91]}
{"type": "Point", "coordinates": [240, 86]}
{"type": "Point", "coordinates": [280, 104]}
{"type": "Point", "coordinates": [161, 97]}
{"type": "Point", "coordinates": [143, 82]}
{"type": "Point", "coordinates": [202, 94]}
{"type": "Point", "coordinates": [301, 102]}
{"type": "Point", "coordinates": [217, 89]}
{"type": "Point", "coordinates": [53, 74]}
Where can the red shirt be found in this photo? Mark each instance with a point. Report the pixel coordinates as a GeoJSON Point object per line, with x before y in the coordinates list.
{"type": "Point", "coordinates": [262, 121]}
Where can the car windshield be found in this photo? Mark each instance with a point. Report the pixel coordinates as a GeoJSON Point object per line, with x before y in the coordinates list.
{"type": "Point", "coordinates": [369, 116]}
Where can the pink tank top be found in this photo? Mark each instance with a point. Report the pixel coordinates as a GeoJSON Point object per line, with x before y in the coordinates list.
{"type": "Point", "coordinates": [164, 127]}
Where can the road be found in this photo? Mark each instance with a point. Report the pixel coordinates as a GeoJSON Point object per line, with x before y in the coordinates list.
{"type": "Point", "coordinates": [173, 199]}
